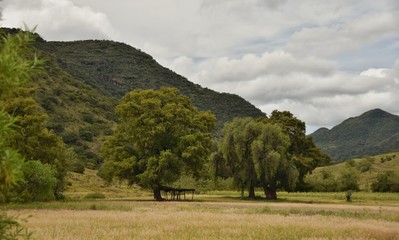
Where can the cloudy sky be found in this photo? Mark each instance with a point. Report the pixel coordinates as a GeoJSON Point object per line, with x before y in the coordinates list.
{"type": "Point", "coordinates": [324, 61]}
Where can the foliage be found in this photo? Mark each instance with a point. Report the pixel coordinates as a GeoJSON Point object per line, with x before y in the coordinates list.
{"type": "Point", "coordinates": [10, 229]}
{"type": "Point", "coordinates": [328, 178]}
{"type": "Point", "coordinates": [74, 164]}
{"type": "Point", "coordinates": [386, 182]}
{"type": "Point", "coordinates": [301, 151]}
{"type": "Point", "coordinates": [160, 135]}
{"type": "Point", "coordinates": [38, 184]}
{"type": "Point", "coordinates": [372, 133]}
{"type": "Point", "coordinates": [33, 140]}
{"type": "Point", "coordinates": [15, 70]}
{"type": "Point", "coordinates": [10, 160]}
{"type": "Point", "coordinates": [253, 153]}
{"type": "Point", "coordinates": [365, 165]}
{"type": "Point", "coordinates": [327, 181]}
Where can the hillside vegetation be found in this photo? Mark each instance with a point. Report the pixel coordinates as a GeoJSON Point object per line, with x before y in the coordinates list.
{"type": "Point", "coordinates": [374, 132]}
{"type": "Point", "coordinates": [83, 81]}
{"type": "Point", "coordinates": [364, 170]}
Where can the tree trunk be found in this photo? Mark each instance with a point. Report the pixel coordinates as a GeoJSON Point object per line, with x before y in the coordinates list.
{"type": "Point", "coordinates": [251, 192]}
{"type": "Point", "coordinates": [157, 194]}
{"type": "Point", "coordinates": [270, 192]}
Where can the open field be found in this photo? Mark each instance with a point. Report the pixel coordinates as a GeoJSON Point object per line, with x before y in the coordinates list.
{"type": "Point", "coordinates": [125, 212]}
{"type": "Point", "coordinates": [215, 216]}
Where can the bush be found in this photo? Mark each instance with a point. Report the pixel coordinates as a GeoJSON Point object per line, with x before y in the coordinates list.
{"type": "Point", "coordinates": [349, 180]}
{"type": "Point", "coordinates": [38, 184]}
{"type": "Point", "coordinates": [86, 135]}
{"type": "Point", "coordinates": [386, 182]}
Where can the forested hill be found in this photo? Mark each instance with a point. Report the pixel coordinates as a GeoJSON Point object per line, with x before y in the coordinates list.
{"type": "Point", "coordinates": [82, 82]}
{"type": "Point", "coordinates": [114, 68]}
{"type": "Point", "coordinates": [374, 132]}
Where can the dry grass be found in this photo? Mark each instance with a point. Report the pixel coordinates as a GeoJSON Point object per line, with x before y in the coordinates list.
{"type": "Point", "coordinates": [214, 220]}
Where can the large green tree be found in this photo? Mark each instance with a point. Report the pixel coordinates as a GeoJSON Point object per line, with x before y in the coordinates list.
{"type": "Point", "coordinates": [253, 152]}
{"type": "Point", "coordinates": [235, 146]}
{"type": "Point", "coordinates": [302, 151]}
{"type": "Point", "coordinates": [273, 167]}
{"type": "Point", "coordinates": [160, 135]}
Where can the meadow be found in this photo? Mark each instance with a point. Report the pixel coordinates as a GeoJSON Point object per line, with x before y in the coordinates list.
{"type": "Point", "coordinates": [217, 215]}
{"type": "Point", "coordinates": [95, 210]}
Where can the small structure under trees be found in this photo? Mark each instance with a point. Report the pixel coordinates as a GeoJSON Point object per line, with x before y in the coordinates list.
{"type": "Point", "coordinates": [171, 193]}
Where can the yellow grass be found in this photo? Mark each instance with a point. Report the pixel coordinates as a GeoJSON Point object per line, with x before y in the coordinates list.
{"type": "Point", "coordinates": [214, 220]}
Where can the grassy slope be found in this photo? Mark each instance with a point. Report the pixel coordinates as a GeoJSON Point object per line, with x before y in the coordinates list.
{"type": "Point", "coordinates": [367, 177]}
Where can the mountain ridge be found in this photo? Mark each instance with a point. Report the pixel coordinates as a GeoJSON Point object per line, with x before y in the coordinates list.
{"type": "Point", "coordinates": [373, 132]}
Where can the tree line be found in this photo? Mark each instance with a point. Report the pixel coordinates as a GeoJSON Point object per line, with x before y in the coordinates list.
{"type": "Point", "coordinates": [161, 136]}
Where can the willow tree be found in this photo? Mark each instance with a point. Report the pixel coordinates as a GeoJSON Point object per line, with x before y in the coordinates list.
{"type": "Point", "coordinates": [235, 147]}
{"type": "Point", "coordinates": [160, 135]}
{"type": "Point", "coordinates": [254, 154]}
{"type": "Point", "coordinates": [269, 152]}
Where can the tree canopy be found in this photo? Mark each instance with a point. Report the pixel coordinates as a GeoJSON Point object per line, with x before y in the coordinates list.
{"type": "Point", "coordinates": [23, 123]}
{"type": "Point", "coordinates": [254, 153]}
{"type": "Point", "coordinates": [160, 135]}
{"type": "Point", "coordinates": [302, 150]}
{"type": "Point", "coordinates": [15, 70]}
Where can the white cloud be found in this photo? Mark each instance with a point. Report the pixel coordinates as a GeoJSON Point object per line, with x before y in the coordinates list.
{"type": "Point", "coordinates": [57, 19]}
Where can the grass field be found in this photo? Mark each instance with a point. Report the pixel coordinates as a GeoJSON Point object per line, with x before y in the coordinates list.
{"type": "Point", "coordinates": [121, 212]}
{"type": "Point", "coordinates": [219, 215]}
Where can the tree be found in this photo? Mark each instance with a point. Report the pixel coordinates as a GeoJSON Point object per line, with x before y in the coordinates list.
{"type": "Point", "coordinates": [15, 70]}
{"type": "Point", "coordinates": [10, 160]}
{"type": "Point", "coordinates": [235, 147]}
{"type": "Point", "coordinates": [160, 136]}
{"type": "Point", "coordinates": [269, 155]}
{"type": "Point", "coordinates": [30, 137]}
{"type": "Point", "coordinates": [254, 154]}
{"type": "Point", "coordinates": [38, 184]}
{"type": "Point", "coordinates": [386, 182]}
{"type": "Point", "coordinates": [302, 150]}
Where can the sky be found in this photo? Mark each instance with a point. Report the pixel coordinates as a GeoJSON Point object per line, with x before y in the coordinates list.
{"type": "Point", "coordinates": [324, 61]}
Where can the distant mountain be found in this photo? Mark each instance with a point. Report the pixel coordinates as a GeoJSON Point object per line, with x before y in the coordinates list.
{"type": "Point", "coordinates": [374, 132]}
{"type": "Point", "coordinates": [84, 80]}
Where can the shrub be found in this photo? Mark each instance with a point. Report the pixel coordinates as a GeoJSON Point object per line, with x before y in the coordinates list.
{"type": "Point", "coordinates": [38, 184]}
{"type": "Point", "coordinates": [86, 135]}
{"type": "Point", "coordinates": [386, 182]}
{"type": "Point", "coordinates": [349, 180]}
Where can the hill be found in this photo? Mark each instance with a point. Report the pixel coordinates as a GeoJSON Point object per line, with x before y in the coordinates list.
{"type": "Point", "coordinates": [113, 69]}
{"type": "Point", "coordinates": [83, 81]}
{"type": "Point", "coordinates": [374, 132]}
{"type": "Point", "coordinates": [368, 169]}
